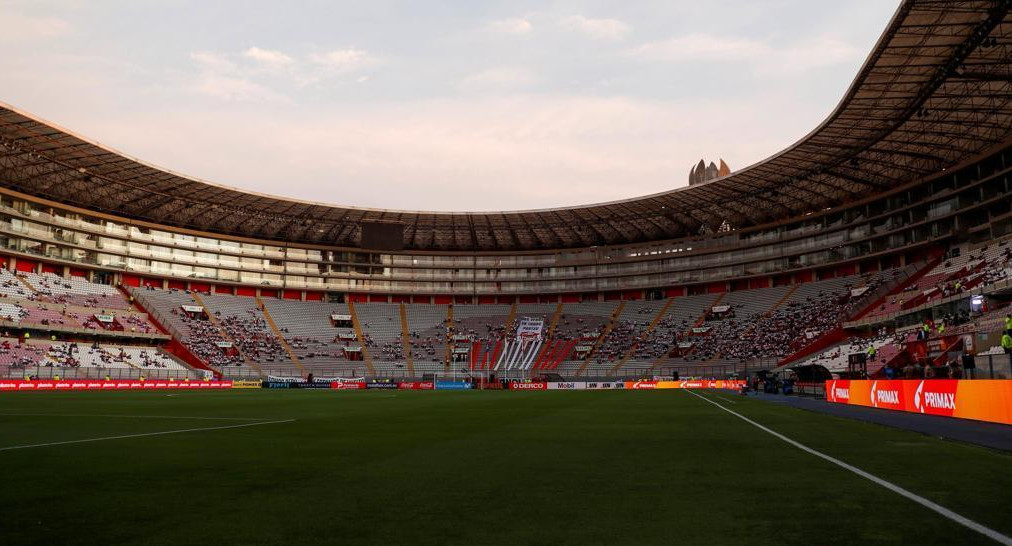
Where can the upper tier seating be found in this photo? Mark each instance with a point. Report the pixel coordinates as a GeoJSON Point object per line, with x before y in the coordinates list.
{"type": "Point", "coordinates": [970, 269]}
{"type": "Point", "coordinates": [76, 291]}
{"type": "Point", "coordinates": [811, 310]}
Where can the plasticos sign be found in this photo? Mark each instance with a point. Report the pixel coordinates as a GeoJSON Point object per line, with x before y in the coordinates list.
{"type": "Point", "coordinates": [981, 400]}
{"type": "Point", "coordinates": [84, 384]}
{"type": "Point", "coordinates": [452, 386]}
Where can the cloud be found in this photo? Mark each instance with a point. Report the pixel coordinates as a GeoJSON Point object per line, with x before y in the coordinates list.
{"type": "Point", "coordinates": [517, 25]}
{"type": "Point", "coordinates": [343, 60]}
{"type": "Point", "coordinates": [602, 29]}
{"type": "Point", "coordinates": [259, 74]}
{"type": "Point", "coordinates": [822, 50]}
{"type": "Point", "coordinates": [268, 57]}
{"type": "Point", "coordinates": [504, 78]}
{"type": "Point", "coordinates": [19, 27]}
{"type": "Point", "coordinates": [221, 78]}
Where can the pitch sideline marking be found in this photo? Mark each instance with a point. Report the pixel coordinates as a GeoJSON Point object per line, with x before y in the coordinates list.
{"type": "Point", "coordinates": [113, 415]}
{"type": "Point", "coordinates": [962, 520]}
{"type": "Point", "coordinates": [721, 397]}
{"type": "Point", "coordinates": [162, 433]}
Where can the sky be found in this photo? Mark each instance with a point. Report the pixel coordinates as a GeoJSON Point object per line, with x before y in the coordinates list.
{"type": "Point", "coordinates": [437, 105]}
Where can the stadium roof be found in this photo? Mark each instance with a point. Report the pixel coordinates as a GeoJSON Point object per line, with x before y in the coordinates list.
{"type": "Point", "coordinates": [935, 90]}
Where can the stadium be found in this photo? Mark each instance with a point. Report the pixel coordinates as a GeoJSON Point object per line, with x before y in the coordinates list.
{"type": "Point", "coordinates": [176, 352]}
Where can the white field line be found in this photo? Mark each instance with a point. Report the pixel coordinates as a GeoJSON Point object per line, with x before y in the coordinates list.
{"type": "Point", "coordinates": [962, 520]}
{"type": "Point", "coordinates": [141, 435]}
{"type": "Point", "coordinates": [721, 397]}
{"type": "Point", "coordinates": [113, 415]}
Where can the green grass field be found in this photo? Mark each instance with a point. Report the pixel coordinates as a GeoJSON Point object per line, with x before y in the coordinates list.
{"type": "Point", "coordinates": [510, 468]}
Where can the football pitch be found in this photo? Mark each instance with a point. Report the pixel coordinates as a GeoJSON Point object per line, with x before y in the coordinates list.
{"type": "Point", "coordinates": [509, 468]}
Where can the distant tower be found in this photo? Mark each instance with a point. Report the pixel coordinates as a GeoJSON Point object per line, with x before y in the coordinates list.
{"type": "Point", "coordinates": [704, 173]}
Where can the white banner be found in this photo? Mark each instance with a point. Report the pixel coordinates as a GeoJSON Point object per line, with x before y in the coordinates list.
{"type": "Point", "coordinates": [224, 344]}
{"type": "Point", "coordinates": [700, 329]}
{"type": "Point", "coordinates": [720, 308]}
{"type": "Point", "coordinates": [530, 327]}
{"type": "Point", "coordinates": [336, 317]}
{"type": "Point", "coordinates": [193, 309]}
{"type": "Point", "coordinates": [104, 318]}
{"type": "Point", "coordinates": [858, 292]}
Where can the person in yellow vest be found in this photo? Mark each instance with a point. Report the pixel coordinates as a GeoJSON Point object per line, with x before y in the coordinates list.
{"type": "Point", "coordinates": [142, 379]}
{"type": "Point", "coordinates": [1008, 324]}
{"type": "Point", "coordinates": [107, 378]}
{"type": "Point", "coordinates": [926, 330]}
{"type": "Point", "coordinates": [871, 353]}
{"type": "Point", "coordinates": [28, 377]}
{"type": "Point", "coordinates": [56, 377]}
{"type": "Point", "coordinates": [941, 328]}
{"type": "Point", "coordinates": [1006, 343]}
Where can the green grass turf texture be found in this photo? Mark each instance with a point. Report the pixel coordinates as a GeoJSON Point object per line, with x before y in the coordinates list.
{"type": "Point", "coordinates": [510, 468]}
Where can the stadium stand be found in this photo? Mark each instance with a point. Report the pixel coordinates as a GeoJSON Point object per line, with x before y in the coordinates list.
{"type": "Point", "coordinates": [310, 332]}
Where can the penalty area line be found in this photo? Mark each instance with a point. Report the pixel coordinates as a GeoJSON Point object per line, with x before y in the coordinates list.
{"type": "Point", "coordinates": [962, 520]}
{"type": "Point", "coordinates": [143, 434]}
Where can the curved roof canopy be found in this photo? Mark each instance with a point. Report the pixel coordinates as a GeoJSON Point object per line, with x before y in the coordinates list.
{"type": "Point", "coordinates": [935, 90]}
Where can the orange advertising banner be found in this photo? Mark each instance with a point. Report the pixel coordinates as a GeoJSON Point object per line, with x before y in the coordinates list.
{"type": "Point", "coordinates": [695, 384]}
{"type": "Point", "coordinates": [981, 400]}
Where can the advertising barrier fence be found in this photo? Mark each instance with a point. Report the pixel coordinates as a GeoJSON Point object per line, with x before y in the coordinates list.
{"type": "Point", "coordinates": [981, 400]}
{"type": "Point", "coordinates": [277, 383]}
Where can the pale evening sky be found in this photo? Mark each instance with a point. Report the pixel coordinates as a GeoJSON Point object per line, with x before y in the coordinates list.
{"type": "Point", "coordinates": [441, 105]}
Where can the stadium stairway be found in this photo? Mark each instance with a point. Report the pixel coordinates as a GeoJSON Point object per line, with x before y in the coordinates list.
{"type": "Point", "coordinates": [31, 289]}
{"type": "Point", "coordinates": [281, 338]}
{"type": "Point", "coordinates": [406, 340]}
{"type": "Point", "coordinates": [361, 338]}
{"type": "Point", "coordinates": [224, 333]}
{"type": "Point", "coordinates": [449, 335]}
{"type": "Point", "coordinates": [512, 317]}
{"type": "Point", "coordinates": [646, 333]}
{"type": "Point", "coordinates": [600, 339]}
{"type": "Point", "coordinates": [175, 347]}
{"type": "Point", "coordinates": [906, 279]}
{"type": "Point", "coordinates": [555, 320]}
{"type": "Point", "coordinates": [753, 324]}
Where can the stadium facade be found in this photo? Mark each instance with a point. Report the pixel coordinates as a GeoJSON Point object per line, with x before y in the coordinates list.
{"type": "Point", "coordinates": [913, 160]}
